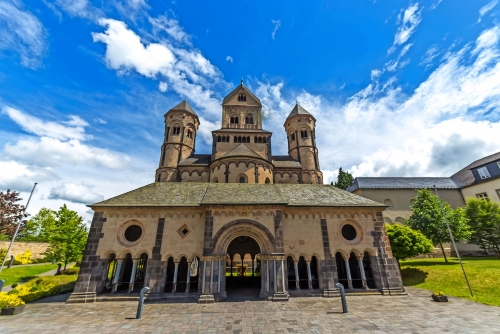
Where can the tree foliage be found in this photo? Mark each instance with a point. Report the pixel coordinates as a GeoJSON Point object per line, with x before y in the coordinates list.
{"type": "Point", "coordinates": [484, 222]}
{"type": "Point", "coordinates": [343, 179]}
{"type": "Point", "coordinates": [36, 229]}
{"type": "Point", "coordinates": [428, 218]}
{"type": "Point", "coordinates": [10, 212]}
{"type": "Point", "coordinates": [67, 236]}
{"type": "Point", "coordinates": [406, 242]}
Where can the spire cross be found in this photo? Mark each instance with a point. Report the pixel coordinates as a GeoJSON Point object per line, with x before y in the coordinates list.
{"type": "Point", "coordinates": [242, 80]}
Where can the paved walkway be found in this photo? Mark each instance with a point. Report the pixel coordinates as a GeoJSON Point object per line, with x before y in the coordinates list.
{"type": "Point", "coordinates": [415, 313]}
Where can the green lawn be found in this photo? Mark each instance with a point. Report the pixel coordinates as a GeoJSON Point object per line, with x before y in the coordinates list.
{"type": "Point", "coordinates": [19, 273]}
{"type": "Point", "coordinates": [436, 275]}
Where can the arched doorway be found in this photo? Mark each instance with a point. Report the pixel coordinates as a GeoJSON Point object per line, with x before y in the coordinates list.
{"type": "Point", "coordinates": [370, 281]}
{"type": "Point", "coordinates": [357, 282]}
{"type": "Point", "coordinates": [110, 273]}
{"type": "Point", "coordinates": [182, 273]}
{"type": "Point", "coordinates": [314, 273]}
{"type": "Point", "coordinates": [169, 283]}
{"type": "Point", "coordinates": [341, 270]}
{"type": "Point", "coordinates": [303, 278]}
{"type": "Point", "coordinates": [243, 278]}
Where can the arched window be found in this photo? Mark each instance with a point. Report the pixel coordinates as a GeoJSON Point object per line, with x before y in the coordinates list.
{"type": "Point", "coordinates": [303, 133]}
{"type": "Point", "coordinates": [234, 120]}
{"type": "Point", "coordinates": [176, 130]}
{"type": "Point", "coordinates": [242, 179]}
{"type": "Point", "coordinates": [218, 139]}
{"type": "Point", "coordinates": [190, 134]}
{"type": "Point", "coordinates": [268, 181]}
{"type": "Point", "coordinates": [292, 137]}
{"type": "Point", "coordinates": [242, 97]}
{"type": "Point", "coordinates": [249, 119]}
{"type": "Point", "coordinates": [216, 180]}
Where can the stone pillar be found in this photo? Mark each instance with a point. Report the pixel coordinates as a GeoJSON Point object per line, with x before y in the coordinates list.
{"type": "Point", "coordinates": [218, 275]}
{"type": "Point", "coordinates": [203, 277]}
{"type": "Point", "coordinates": [267, 276]}
{"type": "Point", "coordinates": [211, 276]}
{"type": "Point", "coordinates": [328, 266]}
{"type": "Point", "coordinates": [188, 280]}
{"type": "Point", "coordinates": [309, 279]}
{"type": "Point", "coordinates": [279, 293]}
{"type": "Point", "coordinates": [348, 270]}
{"type": "Point", "coordinates": [297, 279]}
{"type": "Point", "coordinates": [117, 275]}
{"type": "Point", "coordinates": [362, 271]}
{"type": "Point", "coordinates": [275, 278]}
{"type": "Point", "coordinates": [206, 296]}
{"type": "Point", "coordinates": [176, 272]}
{"type": "Point", "coordinates": [132, 276]}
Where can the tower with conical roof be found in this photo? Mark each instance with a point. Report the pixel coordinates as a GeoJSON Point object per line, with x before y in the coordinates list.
{"type": "Point", "coordinates": [181, 125]}
{"type": "Point", "coordinates": [300, 127]}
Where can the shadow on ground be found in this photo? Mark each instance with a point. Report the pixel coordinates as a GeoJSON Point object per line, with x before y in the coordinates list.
{"type": "Point", "coordinates": [413, 276]}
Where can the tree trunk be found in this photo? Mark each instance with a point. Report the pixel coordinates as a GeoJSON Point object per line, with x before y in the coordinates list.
{"type": "Point", "coordinates": [65, 263]}
{"type": "Point", "coordinates": [444, 254]}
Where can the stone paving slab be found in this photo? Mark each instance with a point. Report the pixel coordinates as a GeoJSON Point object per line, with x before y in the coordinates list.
{"type": "Point", "coordinates": [415, 313]}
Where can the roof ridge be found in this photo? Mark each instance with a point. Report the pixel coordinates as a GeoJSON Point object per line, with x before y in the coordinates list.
{"type": "Point", "coordinates": [233, 92]}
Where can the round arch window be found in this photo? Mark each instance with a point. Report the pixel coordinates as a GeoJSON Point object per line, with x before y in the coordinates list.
{"type": "Point", "coordinates": [242, 179]}
{"type": "Point", "coordinates": [133, 233]}
{"type": "Point", "coordinates": [389, 203]}
{"type": "Point", "coordinates": [349, 232]}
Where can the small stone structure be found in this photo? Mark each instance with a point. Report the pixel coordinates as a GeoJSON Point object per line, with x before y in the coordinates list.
{"type": "Point", "coordinates": [19, 247]}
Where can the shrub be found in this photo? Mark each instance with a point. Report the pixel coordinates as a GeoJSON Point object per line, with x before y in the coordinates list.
{"type": "Point", "coordinates": [78, 263]}
{"type": "Point", "coordinates": [13, 286]}
{"type": "Point", "coordinates": [9, 301]}
{"type": "Point", "coordinates": [70, 271]}
{"type": "Point", "coordinates": [44, 287]}
{"type": "Point", "coordinates": [3, 251]}
{"type": "Point", "coordinates": [24, 258]}
{"type": "Point", "coordinates": [40, 260]}
{"type": "Point", "coordinates": [438, 293]}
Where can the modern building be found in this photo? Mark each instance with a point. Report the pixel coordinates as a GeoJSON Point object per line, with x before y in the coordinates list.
{"type": "Point", "coordinates": [238, 220]}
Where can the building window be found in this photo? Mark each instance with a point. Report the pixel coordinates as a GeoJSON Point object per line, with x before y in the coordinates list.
{"type": "Point", "coordinates": [216, 180]}
{"type": "Point", "coordinates": [242, 97]}
{"type": "Point", "coordinates": [483, 173]}
{"type": "Point", "coordinates": [498, 163]}
{"type": "Point", "coordinates": [303, 133]}
{"type": "Point", "coordinates": [482, 196]}
{"type": "Point", "coordinates": [234, 120]}
{"type": "Point", "coordinates": [249, 120]}
{"type": "Point", "coordinates": [190, 134]}
{"type": "Point", "coordinates": [268, 181]}
{"type": "Point", "coordinates": [176, 130]}
{"type": "Point", "coordinates": [292, 137]}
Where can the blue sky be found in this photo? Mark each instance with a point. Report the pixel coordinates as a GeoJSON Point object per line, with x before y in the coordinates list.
{"type": "Point", "coordinates": [399, 88]}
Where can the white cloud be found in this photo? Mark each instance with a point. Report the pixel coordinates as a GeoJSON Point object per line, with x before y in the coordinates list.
{"type": "Point", "coordinates": [229, 58]}
{"type": "Point", "coordinates": [486, 8]}
{"type": "Point", "coordinates": [19, 177]}
{"type": "Point", "coordinates": [432, 131]}
{"type": "Point", "coordinates": [78, 193]}
{"type": "Point", "coordinates": [436, 4]}
{"type": "Point", "coordinates": [53, 152]}
{"type": "Point", "coordinates": [408, 21]}
{"type": "Point", "coordinates": [171, 27]}
{"type": "Point", "coordinates": [74, 130]}
{"type": "Point", "coordinates": [277, 25]}
{"type": "Point", "coordinates": [206, 128]}
{"type": "Point", "coordinates": [22, 32]}
{"type": "Point", "coordinates": [431, 53]}
{"type": "Point", "coordinates": [100, 121]}
{"type": "Point", "coordinates": [163, 86]}
{"type": "Point", "coordinates": [75, 8]}
{"type": "Point", "coordinates": [185, 70]}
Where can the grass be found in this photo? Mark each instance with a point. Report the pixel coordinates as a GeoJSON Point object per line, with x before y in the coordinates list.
{"type": "Point", "coordinates": [436, 275]}
{"type": "Point", "coordinates": [23, 273]}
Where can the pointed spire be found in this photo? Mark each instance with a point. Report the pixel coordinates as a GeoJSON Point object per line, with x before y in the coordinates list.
{"type": "Point", "coordinates": [184, 105]}
{"type": "Point", "coordinates": [298, 110]}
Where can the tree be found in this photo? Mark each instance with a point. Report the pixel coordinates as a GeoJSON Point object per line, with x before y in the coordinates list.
{"type": "Point", "coordinates": [406, 242]}
{"type": "Point", "coordinates": [343, 179]}
{"type": "Point", "coordinates": [484, 222]}
{"type": "Point", "coordinates": [67, 236]}
{"type": "Point", "coordinates": [428, 218]}
{"type": "Point", "coordinates": [10, 212]}
{"type": "Point", "coordinates": [37, 228]}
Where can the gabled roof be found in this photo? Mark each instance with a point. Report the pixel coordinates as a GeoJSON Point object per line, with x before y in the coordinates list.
{"type": "Point", "coordinates": [299, 110]}
{"type": "Point", "coordinates": [184, 106]}
{"type": "Point", "coordinates": [234, 91]}
{"type": "Point", "coordinates": [285, 161]}
{"type": "Point", "coordinates": [402, 183]}
{"type": "Point", "coordinates": [465, 176]}
{"type": "Point", "coordinates": [178, 194]}
{"type": "Point", "coordinates": [242, 151]}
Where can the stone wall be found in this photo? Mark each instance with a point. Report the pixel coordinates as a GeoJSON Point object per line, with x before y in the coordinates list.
{"type": "Point", "coordinates": [19, 247]}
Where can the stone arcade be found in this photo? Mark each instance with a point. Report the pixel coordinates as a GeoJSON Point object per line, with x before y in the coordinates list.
{"type": "Point", "coordinates": [238, 221]}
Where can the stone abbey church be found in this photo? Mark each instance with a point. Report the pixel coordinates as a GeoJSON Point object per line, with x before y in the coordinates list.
{"type": "Point", "coordinates": [237, 222]}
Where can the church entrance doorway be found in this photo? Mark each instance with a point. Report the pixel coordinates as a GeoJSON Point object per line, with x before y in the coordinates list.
{"type": "Point", "coordinates": [243, 269]}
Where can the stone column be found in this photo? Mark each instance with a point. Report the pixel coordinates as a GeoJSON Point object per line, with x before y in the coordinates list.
{"type": "Point", "coordinates": [188, 279]}
{"type": "Point", "coordinates": [132, 275]}
{"type": "Point", "coordinates": [206, 296]}
{"type": "Point", "coordinates": [275, 278]}
{"type": "Point", "coordinates": [118, 274]}
{"type": "Point", "coordinates": [218, 275]}
{"type": "Point", "coordinates": [348, 270]}
{"type": "Point", "coordinates": [309, 279]}
{"type": "Point", "coordinates": [362, 271]}
{"type": "Point", "coordinates": [176, 271]}
{"type": "Point", "coordinates": [211, 276]}
{"type": "Point", "coordinates": [203, 277]}
{"type": "Point", "coordinates": [297, 279]}
{"type": "Point", "coordinates": [283, 276]}
{"type": "Point", "coordinates": [267, 276]}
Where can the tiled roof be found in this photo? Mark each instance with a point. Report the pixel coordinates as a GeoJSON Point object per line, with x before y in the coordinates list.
{"type": "Point", "coordinates": [465, 176]}
{"type": "Point", "coordinates": [402, 182]}
{"type": "Point", "coordinates": [198, 194]}
{"type": "Point", "coordinates": [242, 151]}
{"type": "Point", "coordinates": [285, 161]}
{"type": "Point", "coordinates": [234, 91]}
{"type": "Point", "coordinates": [197, 160]}
{"type": "Point", "coordinates": [298, 110]}
{"type": "Point", "coordinates": [184, 105]}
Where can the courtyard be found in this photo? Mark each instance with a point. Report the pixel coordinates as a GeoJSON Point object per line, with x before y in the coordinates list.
{"type": "Point", "coordinates": [414, 313]}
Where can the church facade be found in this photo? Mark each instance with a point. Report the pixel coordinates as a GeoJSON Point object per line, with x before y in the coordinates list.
{"type": "Point", "coordinates": [238, 220]}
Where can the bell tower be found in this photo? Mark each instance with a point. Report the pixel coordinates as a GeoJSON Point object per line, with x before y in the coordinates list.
{"type": "Point", "coordinates": [181, 126]}
{"type": "Point", "coordinates": [300, 127]}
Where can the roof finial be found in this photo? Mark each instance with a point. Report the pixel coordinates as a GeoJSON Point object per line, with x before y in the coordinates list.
{"type": "Point", "coordinates": [296, 102]}
{"type": "Point", "coordinates": [241, 80]}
